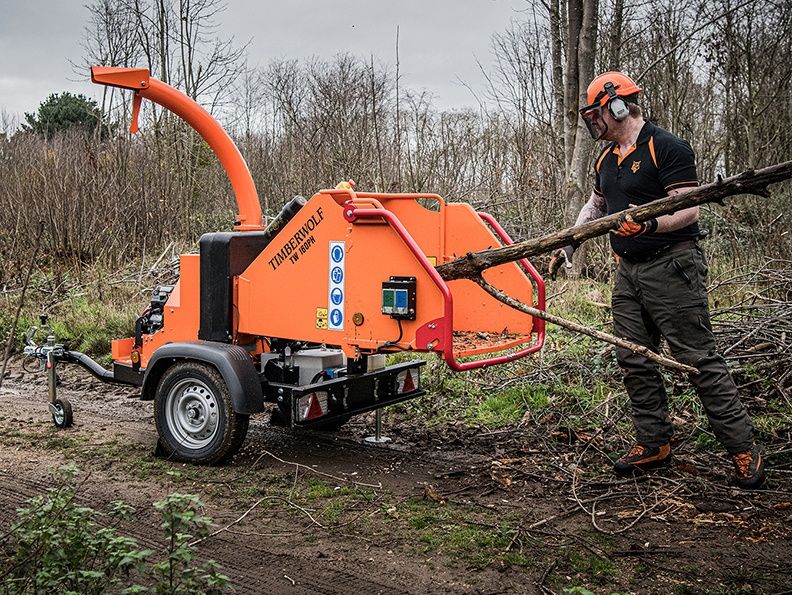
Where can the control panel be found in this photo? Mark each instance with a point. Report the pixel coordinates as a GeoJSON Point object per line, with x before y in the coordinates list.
{"type": "Point", "coordinates": [398, 298]}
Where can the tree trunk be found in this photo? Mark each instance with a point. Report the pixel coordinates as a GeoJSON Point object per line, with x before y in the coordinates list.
{"type": "Point", "coordinates": [558, 69]}
{"type": "Point", "coordinates": [572, 86]}
{"type": "Point", "coordinates": [615, 37]}
{"type": "Point", "coordinates": [578, 164]}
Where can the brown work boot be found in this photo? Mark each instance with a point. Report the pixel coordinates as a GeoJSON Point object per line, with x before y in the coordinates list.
{"type": "Point", "coordinates": [640, 458]}
{"type": "Point", "coordinates": [749, 468]}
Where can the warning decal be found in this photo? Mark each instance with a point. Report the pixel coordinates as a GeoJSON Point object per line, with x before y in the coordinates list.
{"type": "Point", "coordinates": [321, 318]}
{"type": "Point", "coordinates": [335, 291]}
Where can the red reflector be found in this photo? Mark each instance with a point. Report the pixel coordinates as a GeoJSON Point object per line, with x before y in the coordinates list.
{"type": "Point", "coordinates": [314, 409]}
{"type": "Point", "coordinates": [407, 381]}
{"type": "Point", "coordinates": [313, 405]}
{"type": "Point", "coordinates": [409, 385]}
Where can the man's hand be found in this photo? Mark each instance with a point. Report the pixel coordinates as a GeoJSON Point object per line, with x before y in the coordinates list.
{"type": "Point", "coordinates": [560, 256]}
{"type": "Point", "coordinates": [629, 228]}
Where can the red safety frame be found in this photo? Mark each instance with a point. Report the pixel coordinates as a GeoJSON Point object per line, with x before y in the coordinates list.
{"type": "Point", "coordinates": [352, 213]}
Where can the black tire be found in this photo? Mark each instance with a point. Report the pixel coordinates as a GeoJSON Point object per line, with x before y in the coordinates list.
{"type": "Point", "coordinates": [195, 417]}
{"type": "Point", "coordinates": [64, 417]}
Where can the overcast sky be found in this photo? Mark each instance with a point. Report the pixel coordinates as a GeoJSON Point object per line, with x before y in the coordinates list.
{"type": "Point", "coordinates": [439, 40]}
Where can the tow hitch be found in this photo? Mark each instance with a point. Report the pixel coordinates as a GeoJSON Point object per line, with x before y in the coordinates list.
{"type": "Point", "coordinates": [48, 354]}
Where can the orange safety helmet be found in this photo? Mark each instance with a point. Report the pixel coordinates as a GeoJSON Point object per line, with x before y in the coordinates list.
{"type": "Point", "coordinates": [623, 86]}
{"type": "Point", "coordinates": [608, 89]}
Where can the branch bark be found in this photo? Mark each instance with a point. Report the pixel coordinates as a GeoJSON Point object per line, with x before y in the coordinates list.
{"type": "Point", "coordinates": [755, 182]}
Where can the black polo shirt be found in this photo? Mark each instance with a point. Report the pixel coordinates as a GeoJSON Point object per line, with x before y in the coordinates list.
{"type": "Point", "coordinates": [658, 162]}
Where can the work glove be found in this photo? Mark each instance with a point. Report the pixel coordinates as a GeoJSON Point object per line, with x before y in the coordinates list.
{"type": "Point", "coordinates": [628, 228]}
{"type": "Point", "coordinates": [560, 257]}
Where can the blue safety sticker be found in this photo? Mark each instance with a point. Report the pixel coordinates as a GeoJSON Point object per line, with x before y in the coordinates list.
{"type": "Point", "coordinates": [337, 275]}
{"type": "Point", "coordinates": [335, 290]}
{"type": "Point", "coordinates": [337, 253]}
{"type": "Point", "coordinates": [336, 296]}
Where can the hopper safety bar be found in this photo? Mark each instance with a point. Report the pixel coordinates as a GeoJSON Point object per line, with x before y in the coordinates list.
{"type": "Point", "coordinates": [352, 213]}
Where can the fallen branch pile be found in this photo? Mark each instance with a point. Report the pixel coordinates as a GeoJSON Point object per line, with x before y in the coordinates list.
{"type": "Point", "coordinates": [755, 335]}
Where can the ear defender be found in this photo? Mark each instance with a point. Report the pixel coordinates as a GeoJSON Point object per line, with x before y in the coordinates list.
{"type": "Point", "coordinates": [616, 105]}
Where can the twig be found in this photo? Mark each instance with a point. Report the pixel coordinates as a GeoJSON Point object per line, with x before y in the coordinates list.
{"type": "Point", "coordinates": [377, 486]}
{"type": "Point", "coordinates": [249, 510]}
{"type": "Point", "coordinates": [632, 523]}
{"type": "Point", "coordinates": [257, 534]}
{"type": "Point", "coordinates": [154, 266]}
{"type": "Point", "coordinates": [301, 509]}
{"type": "Point", "coordinates": [641, 553]}
{"type": "Point", "coordinates": [540, 584]}
{"type": "Point", "coordinates": [227, 527]}
{"type": "Point", "coordinates": [566, 512]}
{"type": "Point", "coordinates": [689, 37]}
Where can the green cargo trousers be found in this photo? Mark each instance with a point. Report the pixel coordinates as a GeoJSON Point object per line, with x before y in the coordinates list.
{"type": "Point", "coordinates": [667, 297]}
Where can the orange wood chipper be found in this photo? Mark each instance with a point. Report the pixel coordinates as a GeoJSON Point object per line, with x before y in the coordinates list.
{"type": "Point", "coordinates": [302, 312]}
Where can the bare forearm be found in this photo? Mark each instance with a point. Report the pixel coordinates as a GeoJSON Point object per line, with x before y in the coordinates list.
{"type": "Point", "coordinates": [593, 209]}
{"type": "Point", "coordinates": [677, 220]}
{"type": "Point", "coordinates": [596, 207]}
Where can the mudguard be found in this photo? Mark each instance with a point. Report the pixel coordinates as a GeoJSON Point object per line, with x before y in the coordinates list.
{"type": "Point", "coordinates": [232, 361]}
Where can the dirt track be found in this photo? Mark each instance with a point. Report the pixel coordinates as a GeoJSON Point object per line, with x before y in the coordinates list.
{"type": "Point", "coordinates": [514, 521]}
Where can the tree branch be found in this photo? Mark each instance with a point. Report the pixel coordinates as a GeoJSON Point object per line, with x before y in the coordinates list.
{"type": "Point", "coordinates": [689, 37]}
{"type": "Point", "coordinates": [573, 326]}
{"type": "Point", "coordinates": [748, 182]}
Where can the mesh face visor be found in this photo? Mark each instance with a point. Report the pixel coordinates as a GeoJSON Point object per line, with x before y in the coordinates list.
{"type": "Point", "coordinates": [591, 114]}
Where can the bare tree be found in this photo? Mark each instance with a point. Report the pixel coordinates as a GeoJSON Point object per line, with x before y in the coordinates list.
{"type": "Point", "coordinates": [717, 73]}
{"type": "Point", "coordinates": [581, 53]}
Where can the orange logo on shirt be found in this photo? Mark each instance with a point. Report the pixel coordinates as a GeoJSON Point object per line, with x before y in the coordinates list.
{"type": "Point", "coordinates": [636, 165]}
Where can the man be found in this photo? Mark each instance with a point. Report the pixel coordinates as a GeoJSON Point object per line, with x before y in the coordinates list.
{"type": "Point", "coordinates": [660, 280]}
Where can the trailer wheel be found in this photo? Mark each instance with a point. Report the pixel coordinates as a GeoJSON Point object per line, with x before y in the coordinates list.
{"type": "Point", "coordinates": [194, 414]}
{"type": "Point", "coordinates": [62, 415]}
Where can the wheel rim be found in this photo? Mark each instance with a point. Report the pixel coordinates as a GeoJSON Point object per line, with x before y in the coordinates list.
{"type": "Point", "coordinates": [59, 416]}
{"type": "Point", "coordinates": [191, 412]}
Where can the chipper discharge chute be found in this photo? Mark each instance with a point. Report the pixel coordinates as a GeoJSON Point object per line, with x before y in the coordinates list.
{"type": "Point", "coordinates": [302, 312]}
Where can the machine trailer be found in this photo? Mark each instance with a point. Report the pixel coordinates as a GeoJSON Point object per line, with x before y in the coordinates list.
{"type": "Point", "coordinates": [302, 312]}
